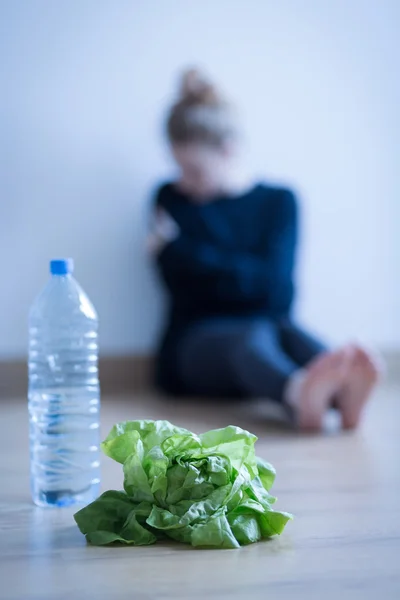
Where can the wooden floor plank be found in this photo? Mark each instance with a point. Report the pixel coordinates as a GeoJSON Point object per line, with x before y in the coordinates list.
{"type": "Point", "coordinates": [344, 542]}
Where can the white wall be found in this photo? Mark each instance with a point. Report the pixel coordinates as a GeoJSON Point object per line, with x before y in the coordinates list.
{"type": "Point", "coordinates": [83, 87]}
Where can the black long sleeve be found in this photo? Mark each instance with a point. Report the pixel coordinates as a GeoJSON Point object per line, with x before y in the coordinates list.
{"type": "Point", "coordinates": [200, 268]}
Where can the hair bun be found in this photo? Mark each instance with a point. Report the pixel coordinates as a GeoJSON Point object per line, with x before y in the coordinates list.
{"type": "Point", "coordinates": [196, 89]}
{"type": "Point", "coordinates": [201, 114]}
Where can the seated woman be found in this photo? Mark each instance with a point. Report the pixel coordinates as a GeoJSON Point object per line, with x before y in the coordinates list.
{"type": "Point", "coordinates": [225, 249]}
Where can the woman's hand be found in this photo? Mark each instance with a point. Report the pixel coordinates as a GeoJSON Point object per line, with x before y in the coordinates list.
{"type": "Point", "coordinates": [163, 231]}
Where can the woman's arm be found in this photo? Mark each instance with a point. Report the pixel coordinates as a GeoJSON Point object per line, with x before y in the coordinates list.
{"type": "Point", "coordinates": [238, 277]}
{"type": "Point", "coordinates": [163, 231]}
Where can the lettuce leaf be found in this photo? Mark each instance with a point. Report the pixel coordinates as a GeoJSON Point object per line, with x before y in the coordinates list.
{"type": "Point", "coordinates": [208, 490]}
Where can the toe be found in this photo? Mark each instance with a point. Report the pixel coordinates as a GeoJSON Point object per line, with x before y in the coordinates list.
{"type": "Point", "coordinates": [370, 362]}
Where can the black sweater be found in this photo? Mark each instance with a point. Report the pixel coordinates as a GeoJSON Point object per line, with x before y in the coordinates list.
{"type": "Point", "coordinates": [234, 258]}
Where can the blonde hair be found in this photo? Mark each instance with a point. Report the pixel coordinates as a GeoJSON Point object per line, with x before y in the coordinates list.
{"type": "Point", "coordinates": [201, 114]}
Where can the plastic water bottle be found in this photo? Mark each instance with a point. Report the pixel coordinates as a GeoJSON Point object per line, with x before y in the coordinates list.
{"type": "Point", "coordinates": [64, 393]}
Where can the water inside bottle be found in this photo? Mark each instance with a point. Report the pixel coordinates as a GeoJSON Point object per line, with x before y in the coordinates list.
{"type": "Point", "coordinates": [64, 442]}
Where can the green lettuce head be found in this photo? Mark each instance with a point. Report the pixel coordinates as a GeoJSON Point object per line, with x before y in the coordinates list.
{"type": "Point", "coordinates": [206, 490]}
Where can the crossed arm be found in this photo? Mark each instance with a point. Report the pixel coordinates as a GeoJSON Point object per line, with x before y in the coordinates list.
{"type": "Point", "coordinates": [237, 277]}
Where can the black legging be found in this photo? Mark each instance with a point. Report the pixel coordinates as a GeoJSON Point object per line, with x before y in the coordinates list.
{"type": "Point", "coordinates": [243, 358]}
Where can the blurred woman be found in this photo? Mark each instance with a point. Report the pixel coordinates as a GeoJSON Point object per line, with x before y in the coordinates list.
{"type": "Point", "coordinates": [226, 248]}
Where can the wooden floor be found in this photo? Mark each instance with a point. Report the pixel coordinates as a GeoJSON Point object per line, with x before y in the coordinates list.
{"type": "Point", "coordinates": [344, 490]}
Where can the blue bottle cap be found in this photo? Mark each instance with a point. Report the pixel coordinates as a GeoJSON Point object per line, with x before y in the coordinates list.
{"type": "Point", "coordinates": [63, 266]}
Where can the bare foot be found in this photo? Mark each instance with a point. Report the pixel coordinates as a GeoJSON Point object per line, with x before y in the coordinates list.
{"type": "Point", "coordinates": [361, 379]}
{"type": "Point", "coordinates": [324, 377]}
{"type": "Point", "coordinates": [322, 380]}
